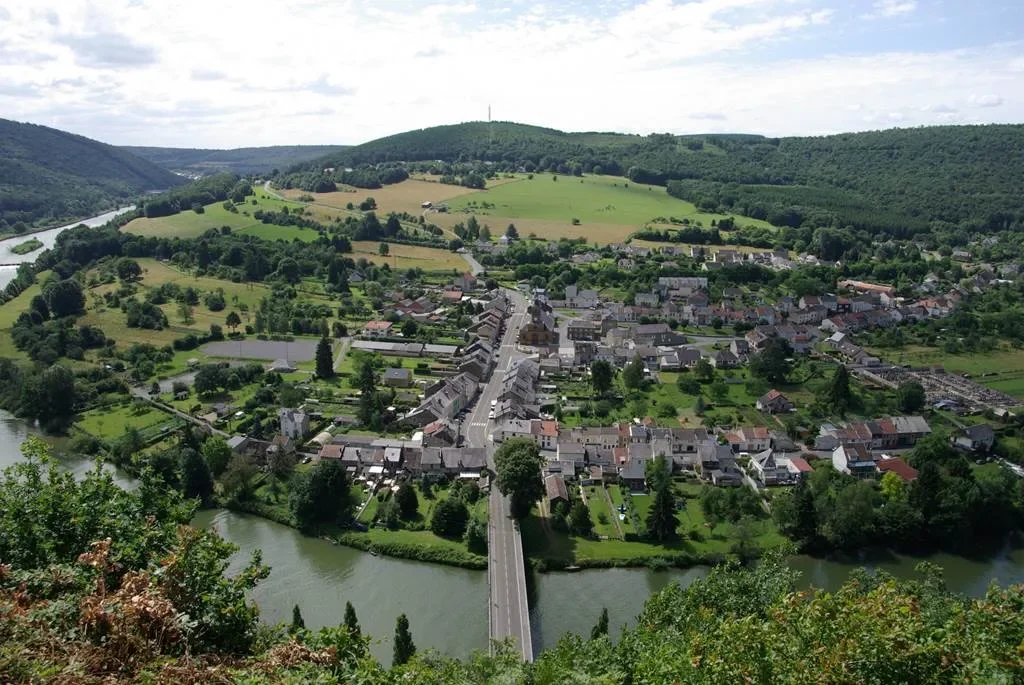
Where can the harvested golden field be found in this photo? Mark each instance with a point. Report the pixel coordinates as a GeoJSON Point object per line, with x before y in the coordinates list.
{"type": "Point", "coordinates": [410, 256]}
{"type": "Point", "coordinates": [406, 196]}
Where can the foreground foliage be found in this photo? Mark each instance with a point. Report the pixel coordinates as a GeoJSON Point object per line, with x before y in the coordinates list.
{"type": "Point", "coordinates": [103, 585]}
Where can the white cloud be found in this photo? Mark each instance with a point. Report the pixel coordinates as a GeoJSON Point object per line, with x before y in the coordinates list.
{"type": "Point", "coordinates": [986, 100]}
{"type": "Point", "coordinates": [303, 71]}
{"type": "Point", "coordinates": [883, 9]}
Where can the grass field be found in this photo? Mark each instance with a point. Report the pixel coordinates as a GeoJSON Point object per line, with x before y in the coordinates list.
{"type": "Point", "coordinates": [9, 312]}
{"type": "Point", "coordinates": [1003, 360]}
{"type": "Point", "coordinates": [155, 273]}
{"type": "Point", "coordinates": [188, 224]}
{"type": "Point", "coordinates": [609, 208]}
{"type": "Point", "coordinates": [287, 233]}
{"type": "Point", "coordinates": [406, 196]}
{"type": "Point", "coordinates": [113, 422]}
{"type": "Point", "coordinates": [696, 537]}
{"type": "Point", "coordinates": [410, 256]}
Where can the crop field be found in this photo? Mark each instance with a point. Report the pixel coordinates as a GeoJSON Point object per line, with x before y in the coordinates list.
{"type": "Point", "coordinates": [188, 224]}
{"type": "Point", "coordinates": [410, 256]}
{"type": "Point", "coordinates": [406, 196]}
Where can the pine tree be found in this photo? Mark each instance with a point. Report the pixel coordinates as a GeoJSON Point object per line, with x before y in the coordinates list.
{"type": "Point", "coordinates": [602, 625]}
{"type": "Point", "coordinates": [297, 622]}
{"type": "Point", "coordinates": [661, 519]}
{"type": "Point", "coordinates": [324, 359]}
{"type": "Point", "coordinates": [404, 647]}
{"type": "Point", "coordinates": [351, 622]}
{"type": "Point", "coordinates": [837, 394]}
{"type": "Point", "coordinates": [806, 524]}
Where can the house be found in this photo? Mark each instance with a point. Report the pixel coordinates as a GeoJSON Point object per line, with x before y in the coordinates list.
{"type": "Point", "coordinates": [465, 282]}
{"type": "Point", "coordinates": [724, 359]}
{"type": "Point", "coordinates": [443, 400]}
{"type": "Point", "coordinates": [774, 402]}
{"type": "Point", "coordinates": [554, 486]}
{"type": "Point", "coordinates": [397, 378]}
{"type": "Point", "coordinates": [580, 299]}
{"type": "Point", "coordinates": [798, 468]}
{"type": "Point", "coordinates": [979, 438]}
{"type": "Point", "coordinates": [238, 444]}
{"type": "Point", "coordinates": [656, 334]}
{"type": "Point", "coordinates": [741, 348]}
{"type": "Point", "coordinates": [910, 429]}
{"type": "Point", "coordinates": [377, 329]}
{"type": "Point", "coordinates": [281, 444]}
{"type": "Point", "coordinates": [748, 439]}
{"type": "Point", "coordinates": [281, 366]}
{"type": "Point", "coordinates": [897, 466]}
{"type": "Point", "coordinates": [766, 468]}
{"type": "Point", "coordinates": [540, 329]}
{"type": "Point", "coordinates": [646, 299]}
{"type": "Point", "coordinates": [439, 434]}
{"type": "Point", "coordinates": [634, 476]}
{"type": "Point", "coordinates": [855, 460]}
{"type": "Point", "coordinates": [583, 329]}
{"type": "Point", "coordinates": [294, 423]}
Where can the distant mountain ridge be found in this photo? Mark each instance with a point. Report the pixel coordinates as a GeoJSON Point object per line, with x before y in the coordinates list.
{"type": "Point", "coordinates": [48, 175]}
{"type": "Point", "coordinates": [246, 160]}
{"type": "Point", "coordinates": [891, 183]}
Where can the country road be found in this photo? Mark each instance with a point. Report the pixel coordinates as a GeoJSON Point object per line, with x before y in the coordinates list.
{"type": "Point", "coordinates": [508, 610]}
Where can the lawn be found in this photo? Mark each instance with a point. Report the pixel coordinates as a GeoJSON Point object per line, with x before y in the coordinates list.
{"type": "Point", "coordinates": [696, 539]}
{"type": "Point", "coordinates": [410, 256]}
{"type": "Point", "coordinates": [598, 504]}
{"type": "Point", "coordinates": [114, 421]}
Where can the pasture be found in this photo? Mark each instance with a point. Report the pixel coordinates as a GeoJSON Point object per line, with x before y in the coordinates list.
{"type": "Point", "coordinates": [188, 224]}
{"type": "Point", "coordinates": [410, 256]}
{"type": "Point", "coordinates": [406, 196]}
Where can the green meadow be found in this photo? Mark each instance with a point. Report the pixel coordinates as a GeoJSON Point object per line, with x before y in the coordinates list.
{"type": "Point", "coordinates": [591, 199]}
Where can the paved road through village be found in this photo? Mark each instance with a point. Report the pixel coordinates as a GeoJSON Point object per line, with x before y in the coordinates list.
{"type": "Point", "coordinates": [508, 611]}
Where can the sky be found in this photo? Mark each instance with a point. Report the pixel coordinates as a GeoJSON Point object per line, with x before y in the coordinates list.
{"type": "Point", "coordinates": [234, 73]}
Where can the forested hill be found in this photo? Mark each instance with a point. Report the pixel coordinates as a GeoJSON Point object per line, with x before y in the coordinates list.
{"type": "Point", "coordinates": [47, 175]}
{"type": "Point", "coordinates": [246, 160]}
{"type": "Point", "coordinates": [895, 182]}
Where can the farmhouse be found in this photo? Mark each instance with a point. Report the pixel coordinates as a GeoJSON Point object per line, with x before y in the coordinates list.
{"type": "Point", "coordinates": [774, 402]}
{"type": "Point", "coordinates": [377, 329]}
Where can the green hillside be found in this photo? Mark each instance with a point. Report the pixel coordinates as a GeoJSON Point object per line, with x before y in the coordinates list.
{"type": "Point", "coordinates": [48, 176]}
{"type": "Point", "coordinates": [891, 183]}
{"type": "Point", "coordinates": [246, 160]}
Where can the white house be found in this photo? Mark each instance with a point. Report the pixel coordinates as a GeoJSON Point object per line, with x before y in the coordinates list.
{"type": "Point", "coordinates": [294, 423]}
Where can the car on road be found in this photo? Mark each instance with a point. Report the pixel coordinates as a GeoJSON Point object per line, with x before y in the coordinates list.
{"type": "Point", "coordinates": [494, 403]}
{"type": "Point", "coordinates": [490, 415]}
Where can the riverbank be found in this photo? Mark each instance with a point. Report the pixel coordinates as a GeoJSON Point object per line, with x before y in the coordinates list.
{"type": "Point", "coordinates": [66, 223]}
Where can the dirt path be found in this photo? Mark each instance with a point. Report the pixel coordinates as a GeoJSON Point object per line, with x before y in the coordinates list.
{"type": "Point", "coordinates": [615, 514]}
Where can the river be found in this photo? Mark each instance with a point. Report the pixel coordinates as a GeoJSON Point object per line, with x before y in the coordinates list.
{"type": "Point", "coordinates": [447, 607]}
{"type": "Point", "coordinates": [48, 238]}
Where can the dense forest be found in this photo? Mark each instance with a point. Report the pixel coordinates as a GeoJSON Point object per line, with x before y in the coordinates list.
{"type": "Point", "coordinates": [101, 584]}
{"type": "Point", "coordinates": [48, 176]}
{"type": "Point", "coordinates": [243, 160]}
{"type": "Point", "coordinates": [896, 182]}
